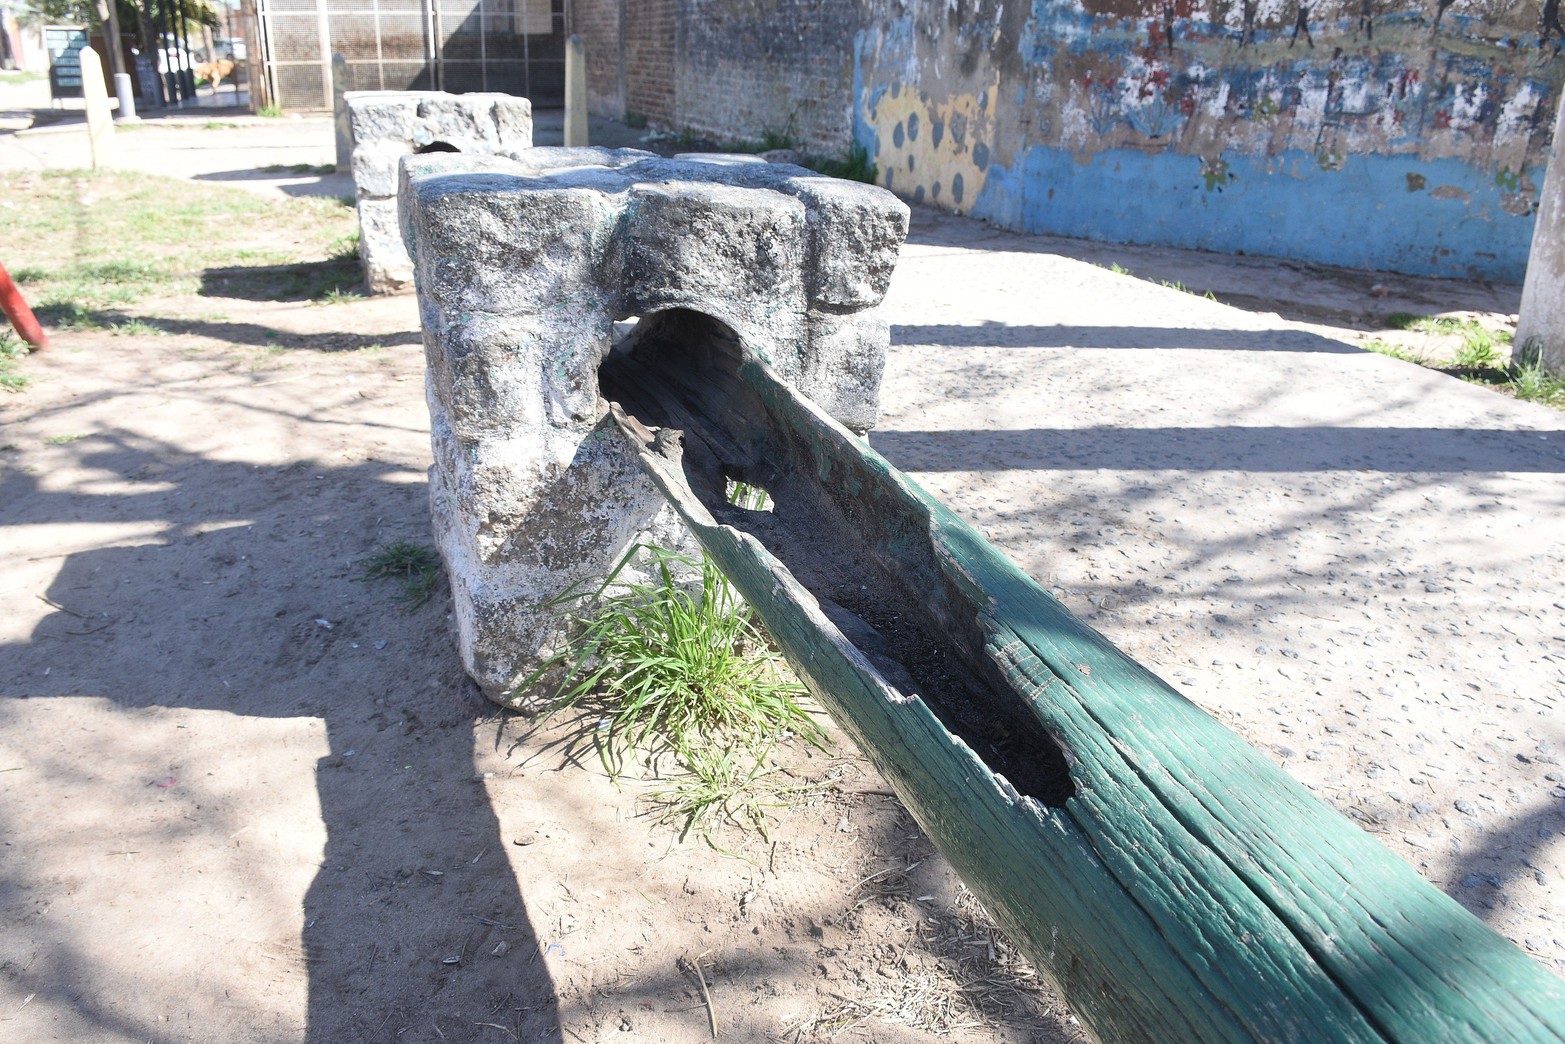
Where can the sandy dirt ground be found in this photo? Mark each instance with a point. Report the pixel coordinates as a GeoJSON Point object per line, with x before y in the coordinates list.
{"type": "Point", "coordinates": [246, 797]}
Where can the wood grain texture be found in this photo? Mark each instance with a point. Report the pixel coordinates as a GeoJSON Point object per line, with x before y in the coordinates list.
{"type": "Point", "coordinates": [1187, 889]}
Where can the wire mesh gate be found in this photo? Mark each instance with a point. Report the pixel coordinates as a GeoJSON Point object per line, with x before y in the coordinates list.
{"type": "Point", "coordinates": [506, 46]}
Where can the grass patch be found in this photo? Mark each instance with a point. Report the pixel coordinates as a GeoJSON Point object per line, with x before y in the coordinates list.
{"type": "Point", "coordinates": [271, 112]}
{"type": "Point", "coordinates": [12, 351]}
{"type": "Point", "coordinates": [138, 328]}
{"type": "Point", "coordinates": [1480, 345]}
{"type": "Point", "coordinates": [854, 165]}
{"type": "Point", "coordinates": [66, 439]}
{"type": "Point", "coordinates": [1395, 351]}
{"type": "Point", "coordinates": [83, 242]}
{"type": "Point", "coordinates": [415, 566]}
{"type": "Point", "coordinates": [1532, 383]}
{"type": "Point", "coordinates": [681, 677]}
{"type": "Point", "coordinates": [1529, 382]}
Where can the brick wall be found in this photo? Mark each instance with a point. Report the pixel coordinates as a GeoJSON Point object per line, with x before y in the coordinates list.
{"type": "Point", "coordinates": [649, 34]}
{"type": "Point", "coordinates": [784, 67]}
{"type": "Point", "coordinates": [598, 23]}
{"type": "Point", "coordinates": [727, 69]}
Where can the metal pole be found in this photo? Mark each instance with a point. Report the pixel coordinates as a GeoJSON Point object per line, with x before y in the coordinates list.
{"type": "Point", "coordinates": [187, 75]}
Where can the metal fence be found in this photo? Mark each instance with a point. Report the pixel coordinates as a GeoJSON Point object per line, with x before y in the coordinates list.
{"type": "Point", "coordinates": [507, 46]}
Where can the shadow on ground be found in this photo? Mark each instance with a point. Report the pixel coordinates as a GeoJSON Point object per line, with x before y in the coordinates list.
{"type": "Point", "coordinates": [242, 599]}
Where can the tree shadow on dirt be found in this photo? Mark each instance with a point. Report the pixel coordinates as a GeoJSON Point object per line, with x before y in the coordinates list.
{"type": "Point", "coordinates": [1258, 448]}
{"type": "Point", "coordinates": [341, 275]}
{"type": "Point", "coordinates": [1010, 335]}
{"type": "Point", "coordinates": [242, 598]}
{"type": "Point", "coordinates": [77, 316]}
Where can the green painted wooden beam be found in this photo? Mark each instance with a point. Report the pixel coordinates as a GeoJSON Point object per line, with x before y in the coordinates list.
{"type": "Point", "coordinates": [1178, 885]}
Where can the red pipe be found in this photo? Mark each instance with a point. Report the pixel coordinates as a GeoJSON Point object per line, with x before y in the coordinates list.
{"type": "Point", "coordinates": [20, 315]}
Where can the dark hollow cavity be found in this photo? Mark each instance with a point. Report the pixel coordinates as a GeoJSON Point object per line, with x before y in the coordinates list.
{"type": "Point", "coordinates": [867, 560]}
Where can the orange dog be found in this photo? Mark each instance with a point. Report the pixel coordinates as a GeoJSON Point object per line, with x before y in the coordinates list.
{"type": "Point", "coordinates": [213, 72]}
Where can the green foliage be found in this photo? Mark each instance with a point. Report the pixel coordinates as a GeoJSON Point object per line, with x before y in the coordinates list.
{"type": "Point", "coordinates": [1394, 351]}
{"type": "Point", "coordinates": [682, 674]}
{"type": "Point", "coordinates": [1182, 288]}
{"type": "Point", "coordinates": [12, 351]}
{"type": "Point", "coordinates": [415, 566]}
{"type": "Point", "coordinates": [635, 120]}
{"type": "Point", "coordinates": [855, 165]}
{"type": "Point", "coordinates": [271, 112]}
{"type": "Point", "coordinates": [1530, 381]}
{"type": "Point", "coordinates": [1477, 349]}
{"type": "Point", "coordinates": [139, 328]}
{"type": "Point", "coordinates": [772, 139]}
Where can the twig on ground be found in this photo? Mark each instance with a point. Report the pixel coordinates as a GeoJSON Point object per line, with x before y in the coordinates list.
{"type": "Point", "coordinates": [706, 996]}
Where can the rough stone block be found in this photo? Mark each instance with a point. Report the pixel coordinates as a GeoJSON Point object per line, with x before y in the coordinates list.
{"type": "Point", "coordinates": [525, 265]}
{"type": "Point", "coordinates": [387, 126]}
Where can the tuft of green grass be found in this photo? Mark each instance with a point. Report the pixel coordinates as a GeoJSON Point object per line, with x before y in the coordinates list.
{"type": "Point", "coordinates": [635, 120]}
{"type": "Point", "coordinates": [12, 351]}
{"type": "Point", "coordinates": [681, 674]}
{"type": "Point", "coordinates": [1182, 288]}
{"type": "Point", "coordinates": [139, 328]}
{"type": "Point", "coordinates": [271, 112]}
{"type": "Point", "coordinates": [339, 295]}
{"type": "Point", "coordinates": [854, 165]}
{"type": "Point", "coordinates": [732, 785]}
{"type": "Point", "coordinates": [65, 438]}
{"type": "Point", "coordinates": [1119, 269]}
{"type": "Point", "coordinates": [1531, 382]}
{"type": "Point", "coordinates": [415, 566]}
{"type": "Point", "coordinates": [1380, 347]}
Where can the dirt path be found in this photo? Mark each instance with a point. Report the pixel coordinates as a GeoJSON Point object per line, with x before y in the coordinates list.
{"type": "Point", "coordinates": [245, 797]}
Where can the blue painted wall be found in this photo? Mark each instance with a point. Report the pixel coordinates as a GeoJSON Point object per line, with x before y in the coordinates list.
{"type": "Point", "coordinates": [1410, 142]}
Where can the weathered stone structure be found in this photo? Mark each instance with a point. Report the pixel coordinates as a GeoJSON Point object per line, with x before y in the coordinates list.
{"type": "Point", "coordinates": [384, 126]}
{"type": "Point", "coordinates": [525, 265]}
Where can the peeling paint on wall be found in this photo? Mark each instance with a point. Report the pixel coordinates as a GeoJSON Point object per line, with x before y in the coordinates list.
{"type": "Point", "coordinates": [1334, 131]}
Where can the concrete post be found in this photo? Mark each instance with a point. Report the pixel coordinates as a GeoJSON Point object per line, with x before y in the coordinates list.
{"type": "Point", "coordinates": [127, 99]}
{"type": "Point", "coordinates": [100, 121]}
{"type": "Point", "coordinates": [339, 108]}
{"type": "Point", "coordinates": [1540, 329]}
{"type": "Point", "coordinates": [575, 92]}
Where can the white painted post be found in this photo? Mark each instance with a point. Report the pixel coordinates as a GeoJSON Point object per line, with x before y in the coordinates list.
{"type": "Point", "coordinates": [1540, 328]}
{"type": "Point", "coordinates": [100, 120]}
{"type": "Point", "coordinates": [127, 99]}
{"type": "Point", "coordinates": [575, 91]}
